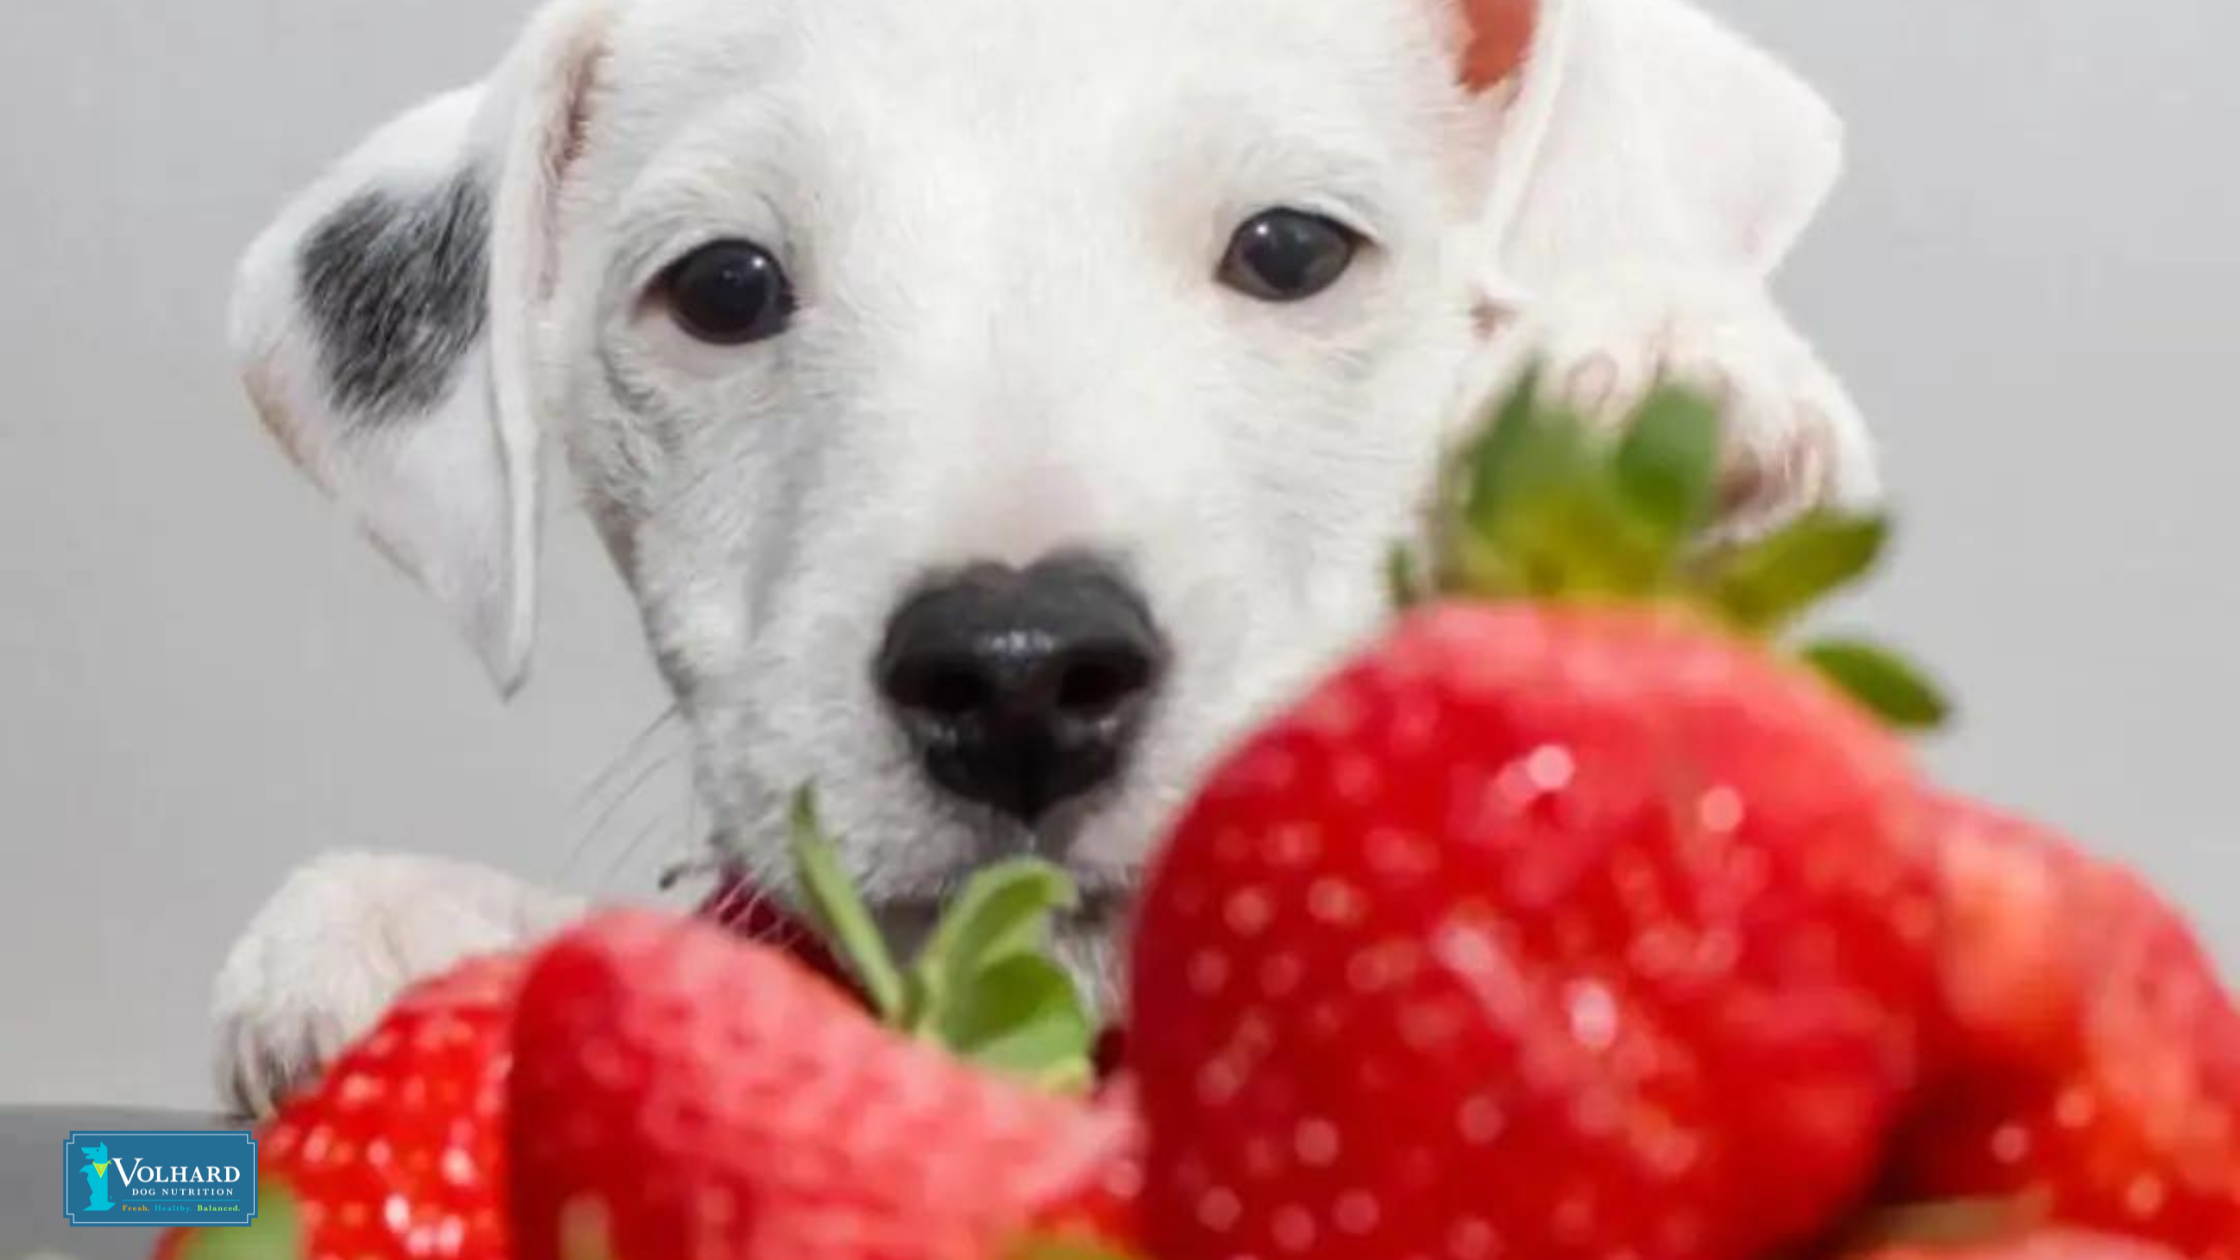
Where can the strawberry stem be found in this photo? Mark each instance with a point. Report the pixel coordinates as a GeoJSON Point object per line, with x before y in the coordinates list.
{"type": "Point", "coordinates": [847, 923]}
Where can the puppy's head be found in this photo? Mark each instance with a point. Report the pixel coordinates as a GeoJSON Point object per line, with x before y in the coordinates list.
{"type": "Point", "coordinates": [992, 405]}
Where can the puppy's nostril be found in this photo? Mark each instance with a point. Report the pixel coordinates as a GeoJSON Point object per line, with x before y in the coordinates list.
{"type": "Point", "coordinates": [950, 690]}
{"type": "Point", "coordinates": [1097, 683]}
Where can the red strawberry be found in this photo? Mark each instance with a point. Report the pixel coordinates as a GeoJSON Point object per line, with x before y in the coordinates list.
{"type": "Point", "coordinates": [400, 1152]}
{"type": "Point", "coordinates": [1545, 930]}
{"type": "Point", "coordinates": [705, 1098]}
{"type": "Point", "coordinates": [1542, 932]}
{"type": "Point", "coordinates": [2094, 1056]}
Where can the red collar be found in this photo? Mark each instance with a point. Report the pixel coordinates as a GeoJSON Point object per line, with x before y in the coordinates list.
{"type": "Point", "coordinates": [746, 911]}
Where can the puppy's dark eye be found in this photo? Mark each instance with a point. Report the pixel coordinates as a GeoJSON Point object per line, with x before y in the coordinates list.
{"type": "Point", "coordinates": [729, 293]}
{"type": "Point", "coordinates": [1288, 255]}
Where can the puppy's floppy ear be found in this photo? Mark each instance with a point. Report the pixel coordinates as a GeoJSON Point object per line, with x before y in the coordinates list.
{"type": "Point", "coordinates": [1645, 129]}
{"type": "Point", "coordinates": [384, 325]}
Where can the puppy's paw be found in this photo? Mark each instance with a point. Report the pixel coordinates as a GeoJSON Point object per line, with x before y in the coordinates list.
{"type": "Point", "coordinates": [340, 941]}
{"type": "Point", "coordinates": [1795, 440]}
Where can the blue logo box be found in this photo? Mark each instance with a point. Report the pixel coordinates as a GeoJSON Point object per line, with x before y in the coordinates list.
{"type": "Point", "coordinates": [144, 1180]}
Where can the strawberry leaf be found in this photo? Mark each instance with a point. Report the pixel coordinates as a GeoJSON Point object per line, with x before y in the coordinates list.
{"type": "Point", "coordinates": [847, 922]}
{"type": "Point", "coordinates": [1887, 685]}
{"type": "Point", "coordinates": [1024, 1017]}
{"type": "Point", "coordinates": [1534, 459]}
{"type": "Point", "coordinates": [1584, 540]}
{"type": "Point", "coordinates": [1547, 510]}
{"type": "Point", "coordinates": [1668, 464]}
{"type": "Point", "coordinates": [1537, 506]}
{"type": "Point", "coordinates": [1768, 584]}
{"type": "Point", "coordinates": [274, 1235]}
{"type": "Point", "coordinates": [1004, 911]}
{"type": "Point", "coordinates": [1497, 463]}
{"type": "Point", "coordinates": [983, 986]}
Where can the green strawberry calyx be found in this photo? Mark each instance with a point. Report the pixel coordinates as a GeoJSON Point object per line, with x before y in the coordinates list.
{"type": "Point", "coordinates": [1545, 503]}
{"type": "Point", "coordinates": [984, 985]}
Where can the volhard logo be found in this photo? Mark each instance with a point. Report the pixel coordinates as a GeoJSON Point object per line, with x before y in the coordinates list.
{"type": "Point", "coordinates": [149, 1180]}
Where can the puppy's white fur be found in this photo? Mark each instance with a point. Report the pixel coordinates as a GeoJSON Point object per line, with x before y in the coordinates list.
{"type": "Point", "coordinates": [340, 939]}
{"type": "Point", "coordinates": [1004, 222]}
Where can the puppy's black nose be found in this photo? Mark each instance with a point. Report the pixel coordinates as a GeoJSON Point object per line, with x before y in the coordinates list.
{"type": "Point", "coordinates": [1021, 689]}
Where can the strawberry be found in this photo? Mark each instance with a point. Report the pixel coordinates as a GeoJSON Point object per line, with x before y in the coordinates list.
{"type": "Point", "coordinates": [405, 1151]}
{"type": "Point", "coordinates": [2093, 1057]}
{"type": "Point", "coordinates": [400, 1151]}
{"type": "Point", "coordinates": [700, 1097]}
{"type": "Point", "coordinates": [690, 1094]}
{"type": "Point", "coordinates": [1550, 928]}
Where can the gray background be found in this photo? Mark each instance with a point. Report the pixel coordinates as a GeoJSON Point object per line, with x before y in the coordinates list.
{"type": "Point", "coordinates": [204, 678]}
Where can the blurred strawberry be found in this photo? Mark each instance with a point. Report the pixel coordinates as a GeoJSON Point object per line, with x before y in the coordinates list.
{"type": "Point", "coordinates": [700, 1097]}
{"type": "Point", "coordinates": [688, 1094]}
{"type": "Point", "coordinates": [1558, 928]}
{"type": "Point", "coordinates": [2093, 1053]}
{"type": "Point", "coordinates": [404, 1151]}
{"type": "Point", "coordinates": [400, 1152]}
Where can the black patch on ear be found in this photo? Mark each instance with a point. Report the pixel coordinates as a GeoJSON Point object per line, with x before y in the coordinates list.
{"type": "Point", "coordinates": [398, 291]}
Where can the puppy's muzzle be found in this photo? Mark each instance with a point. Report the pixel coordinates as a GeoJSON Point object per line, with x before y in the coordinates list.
{"type": "Point", "coordinates": [1022, 689]}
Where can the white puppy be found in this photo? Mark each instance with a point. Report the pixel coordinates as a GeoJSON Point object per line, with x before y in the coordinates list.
{"type": "Point", "coordinates": [992, 405]}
